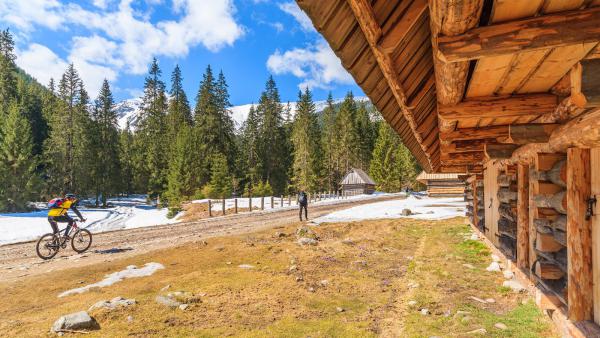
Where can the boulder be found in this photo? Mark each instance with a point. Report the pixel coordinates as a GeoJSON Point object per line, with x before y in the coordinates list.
{"type": "Point", "coordinates": [307, 241]}
{"type": "Point", "coordinates": [80, 321]}
{"type": "Point", "coordinates": [406, 212]}
{"type": "Point", "coordinates": [501, 326]}
{"type": "Point", "coordinates": [514, 285]}
{"type": "Point", "coordinates": [508, 274]}
{"type": "Point", "coordinates": [494, 267]}
{"type": "Point", "coordinates": [167, 301]}
{"type": "Point", "coordinates": [306, 232]}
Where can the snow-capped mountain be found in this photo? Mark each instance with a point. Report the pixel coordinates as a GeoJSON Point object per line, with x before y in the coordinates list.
{"type": "Point", "coordinates": [130, 110]}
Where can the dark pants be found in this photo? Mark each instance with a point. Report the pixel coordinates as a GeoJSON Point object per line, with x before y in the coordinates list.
{"type": "Point", "coordinates": [305, 207]}
{"type": "Point", "coordinates": [53, 220]}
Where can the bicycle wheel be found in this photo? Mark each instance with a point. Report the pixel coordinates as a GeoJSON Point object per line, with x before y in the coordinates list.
{"type": "Point", "coordinates": [47, 246]}
{"type": "Point", "coordinates": [81, 240]}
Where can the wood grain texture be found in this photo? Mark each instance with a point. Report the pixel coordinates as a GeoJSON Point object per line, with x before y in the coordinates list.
{"type": "Point", "coordinates": [523, 216]}
{"type": "Point", "coordinates": [500, 106]}
{"type": "Point", "coordinates": [595, 190]}
{"type": "Point", "coordinates": [579, 236]}
{"type": "Point", "coordinates": [582, 131]}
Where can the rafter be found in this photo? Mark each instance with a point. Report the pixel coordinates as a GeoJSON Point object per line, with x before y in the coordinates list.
{"type": "Point", "coordinates": [363, 12]}
{"type": "Point", "coordinates": [467, 134]}
{"type": "Point", "coordinates": [543, 32]}
{"type": "Point", "coordinates": [503, 106]}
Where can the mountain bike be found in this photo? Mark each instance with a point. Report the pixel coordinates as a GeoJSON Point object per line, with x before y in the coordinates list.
{"type": "Point", "coordinates": [49, 244]}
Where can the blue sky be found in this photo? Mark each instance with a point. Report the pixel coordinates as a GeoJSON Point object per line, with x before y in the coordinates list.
{"type": "Point", "coordinates": [116, 39]}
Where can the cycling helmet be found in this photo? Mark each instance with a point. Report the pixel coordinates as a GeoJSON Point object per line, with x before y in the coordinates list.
{"type": "Point", "coordinates": [69, 195]}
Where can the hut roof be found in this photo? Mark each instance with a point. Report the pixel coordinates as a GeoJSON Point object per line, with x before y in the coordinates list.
{"type": "Point", "coordinates": [452, 76]}
{"type": "Point", "coordinates": [357, 176]}
{"type": "Point", "coordinates": [424, 177]}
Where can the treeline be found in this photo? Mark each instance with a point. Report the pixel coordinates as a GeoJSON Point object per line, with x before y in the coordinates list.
{"type": "Point", "coordinates": [56, 139]}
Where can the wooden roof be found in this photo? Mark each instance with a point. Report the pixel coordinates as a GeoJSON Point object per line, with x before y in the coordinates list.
{"type": "Point", "coordinates": [455, 77]}
{"type": "Point", "coordinates": [357, 176]}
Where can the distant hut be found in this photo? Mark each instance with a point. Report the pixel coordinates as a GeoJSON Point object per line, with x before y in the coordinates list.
{"type": "Point", "coordinates": [442, 185]}
{"type": "Point", "coordinates": [357, 182]}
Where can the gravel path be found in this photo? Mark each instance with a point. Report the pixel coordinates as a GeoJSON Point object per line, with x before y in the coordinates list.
{"type": "Point", "coordinates": [20, 260]}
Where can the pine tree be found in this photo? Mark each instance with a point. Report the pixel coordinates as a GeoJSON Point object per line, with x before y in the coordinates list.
{"type": "Point", "coordinates": [153, 133]}
{"type": "Point", "coordinates": [220, 179]}
{"type": "Point", "coordinates": [31, 100]}
{"type": "Point", "coordinates": [179, 112]}
{"type": "Point", "coordinates": [346, 156]}
{"type": "Point", "coordinates": [306, 139]}
{"type": "Point", "coordinates": [19, 181]}
{"type": "Point", "coordinates": [365, 132]}
{"type": "Point", "coordinates": [250, 151]}
{"type": "Point", "coordinates": [126, 160]}
{"type": "Point", "coordinates": [329, 143]}
{"type": "Point", "coordinates": [8, 82]}
{"type": "Point", "coordinates": [106, 168]}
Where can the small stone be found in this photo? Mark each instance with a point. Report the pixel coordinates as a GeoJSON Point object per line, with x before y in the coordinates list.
{"type": "Point", "coordinates": [167, 301]}
{"type": "Point", "coordinates": [307, 241]}
{"type": "Point", "coordinates": [490, 300]}
{"type": "Point", "coordinates": [299, 278]}
{"type": "Point", "coordinates": [462, 313]}
{"type": "Point", "coordinates": [348, 241]}
{"type": "Point", "coordinates": [477, 299]}
{"type": "Point", "coordinates": [228, 263]}
{"type": "Point", "coordinates": [183, 307]}
{"type": "Point", "coordinates": [466, 319]}
{"type": "Point", "coordinates": [514, 285]}
{"type": "Point", "coordinates": [280, 234]}
{"type": "Point", "coordinates": [324, 282]}
{"type": "Point", "coordinates": [311, 289]}
{"type": "Point", "coordinates": [361, 263]}
{"type": "Point", "coordinates": [494, 267]}
{"type": "Point", "coordinates": [130, 318]}
{"type": "Point", "coordinates": [166, 287]}
{"type": "Point", "coordinates": [412, 303]}
{"type": "Point", "coordinates": [469, 266]}
{"type": "Point", "coordinates": [220, 248]}
{"type": "Point", "coordinates": [246, 266]}
{"type": "Point", "coordinates": [293, 268]}
{"type": "Point", "coordinates": [406, 212]}
{"type": "Point", "coordinates": [339, 309]}
{"type": "Point", "coordinates": [500, 326]}
{"type": "Point", "coordinates": [447, 313]}
{"type": "Point", "coordinates": [495, 258]}
{"type": "Point", "coordinates": [424, 312]}
{"type": "Point", "coordinates": [474, 237]}
{"type": "Point", "coordinates": [478, 331]}
{"type": "Point", "coordinates": [75, 321]}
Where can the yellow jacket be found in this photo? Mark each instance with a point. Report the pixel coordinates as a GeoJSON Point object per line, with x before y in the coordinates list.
{"type": "Point", "coordinates": [64, 208]}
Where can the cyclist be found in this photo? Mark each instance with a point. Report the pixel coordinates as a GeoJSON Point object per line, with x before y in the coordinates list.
{"type": "Point", "coordinates": [59, 212]}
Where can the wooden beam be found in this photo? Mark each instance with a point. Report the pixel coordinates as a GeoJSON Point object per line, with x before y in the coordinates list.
{"type": "Point", "coordinates": [529, 133]}
{"type": "Point", "coordinates": [582, 131]}
{"type": "Point", "coordinates": [585, 83]}
{"type": "Point", "coordinates": [538, 33]}
{"type": "Point", "coordinates": [523, 216]}
{"type": "Point", "coordinates": [364, 15]}
{"type": "Point", "coordinates": [548, 271]}
{"type": "Point", "coordinates": [595, 191]}
{"type": "Point", "coordinates": [450, 18]}
{"type": "Point", "coordinates": [500, 106]}
{"type": "Point", "coordinates": [466, 134]}
{"type": "Point", "coordinates": [499, 151]}
{"type": "Point", "coordinates": [579, 236]}
{"type": "Point", "coordinates": [396, 35]}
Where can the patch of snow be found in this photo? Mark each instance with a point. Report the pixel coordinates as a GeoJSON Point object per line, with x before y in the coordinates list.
{"type": "Point", "coordinates": [494, 267]}
{"type": "Point", "coordinates": [130, 272]}
{"type": "Point", "coordinates": [423, 208]}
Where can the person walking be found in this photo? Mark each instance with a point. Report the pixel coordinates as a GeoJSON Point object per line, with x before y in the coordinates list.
{"type": "Point", "coordinates": [303, 204]}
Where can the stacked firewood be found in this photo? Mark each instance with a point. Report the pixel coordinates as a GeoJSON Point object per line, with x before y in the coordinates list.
{"type": "Point", "coordinates": [507, 223]}
{"type": "Point", "coordinates": [474, 199]}
{"type": "Point", "coordinates": [550, 221]}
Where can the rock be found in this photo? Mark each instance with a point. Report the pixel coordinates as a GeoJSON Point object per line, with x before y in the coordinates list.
{"type": "Point", "coordinates": [103, 304]}
{"type": "Point", "coordinates": [183, 307]}
{"type": "Point", "coordinates": [360, 263]}
{"type": "Point", "coordinates": [477, 299]}
{"type": "Point", "coordinates": [447, 313]}
{"type": "Point", "coordinates": [348, 241]}
{"type": "Point", "coordinates": [466, 319]}
{"type": "Point", "coordinates": [324, 282]}
{"type": "Point", "coordinates": [299, 278]}
{"type": "Point", "coordinates": [494, 267]}
{"type": "Point", "coordinates": [306, 232]}
{"type": "Point", "coordinates": [478, 331]}
{"type": "Point", "coordinates": [166, 287]}
{"type": "Point", "coordinates": [406, 212]}
{"type": "Point", "coordinates": [130, 318]}
{"type": "Point", "coordinates": [167, 301]}
{"type": "Point", "coordinates": [469, 266]}
{"type": "Point", "coordinates": [293, 268]}
{"type": "Point", "coordinates": [311, 289]}
{"type": "Point", "coordinates": [490, 300]}
{"type": "Point", "coordinates": [413, 285]}
{"type": "Point", "coordinates": [307, 241]}
{"type": "Point", "coordinates": [474, 237]}
{"type": "Point", "coordinates": [339, 309]}
{"type": "Point", "coordinates": [500, 326]}
{"type": "Point", "coordinates": [246, 266]}
{"type": "Point", "coordinates": [75, 321]}
{"type": "Point", "coordinates": [495, 258]}
{"type": "Point", "coordinates": [508, 274]}
{"type": "Point", "coordinates": [280, 234]}
{"type": "Point", "coordinates": [112, 304]}
{"type": "Point", "coordinates": [462, 313]}
{"type": "Point", "coordinates": [412, 303]}
{"type": "Point", "coordinates": [228, 263]}
{"type": "Point", "coordinates": [220, 248]}
{"type": "Point", "coordinates": [424, 312]}
{"type": "Point", "coordinates": [514, 285]}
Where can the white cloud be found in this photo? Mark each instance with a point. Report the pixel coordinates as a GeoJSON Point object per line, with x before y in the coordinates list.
{"type": "Point", "coordinates": [41, 63]}
{"type": "Point", "coordinates": [24, 14]}
{"type": "Point", "coordinates": [102, 4]}
{"type": "Point", "coordinates": [292, 9]}
{"type": "Point", "coordinates": [317, 66]}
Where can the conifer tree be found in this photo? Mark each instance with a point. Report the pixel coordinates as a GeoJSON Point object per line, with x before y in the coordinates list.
{"type": "Point", "coordinates": [329, 143]}
{"type": "Point", "coordinates": [30, 97]}
{"type": "Point", "coordinates": [393, 166]}
{"type": "Point", "coordinates": [250, 151]}
{"type": "Point", "coordinates": [220, 179]}
{"type": "Point", "coordinates": [19, 181]}
{"type": "Point", "coordinates": [365, 133]}
{"type": "Point", "coordinates": [126, 160]}
{"type": "Point", "coordinates": [346, 156]}
{"type": "Point", "coordinates": [106, 168]}
{"type": "Point", "coordinates": [306, 139]}
{"type": "Point", "coordinates": [8, 82]}
{"type": "Point", "coordinates": [179, 112]}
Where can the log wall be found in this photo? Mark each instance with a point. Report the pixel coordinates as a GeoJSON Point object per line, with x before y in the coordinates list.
{"type": "Point", "coordinates": [491, 201]}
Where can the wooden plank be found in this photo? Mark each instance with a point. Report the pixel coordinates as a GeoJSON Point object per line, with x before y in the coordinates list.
{"type": "Point", "coordinates": [538, 33]}
{"type": "Point", "coordinates": [495, 132]}
{"type": "Point", "coordinates": [530, 133]}
{"type": "Point", "coordinates": [548, 271]}
{"type": "Point", "coordinates": [579, 236]}
{"type": "Point", "coordinates": [392, 39]}
{"type": "Point", "coordinates": [490, 199]}
{"type": "Point", "coordinates": [532, 215]}
{"type": "Point", "coordinates": [523, 216]}
{"type": "Point", "coordinates": [547, 243]}
{"type": "Point", "coordinates": [499, 151]}
{"type": "Point", "coordinates": [500, 106]}
{"type": "Point", "coordinates": [545, 161]}
{"type": "Point", "coordinates": [585, 83]}
{"type": "Point", "coordinates": [595, 191]}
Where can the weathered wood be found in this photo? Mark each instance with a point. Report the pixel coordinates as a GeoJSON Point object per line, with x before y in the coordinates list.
{"type": "Point", "coordinates": [507, 245]}
{"type": "Point", "coordinates": [556, 175]}
{"type": "Point", "coordinates": [499, 106]}
{"type": "Point", "coordinates": [506, 180]}
{"type": "Point", "coordinates": [507, 227]}
{"type": "Point", "coordinates": [557, 201]}
{"type": "Point", "coordinates": [500, 151]}
{"type": "Point", "coordinates": [585, 83]}
{"type": "Point", "coordinates": [399, 32]}
{"type": "Point", "coordinates": [538, 33]}
{"type": "Point", "coordinates": [506, 196]}
{"type": "Point", "coordinates": [546, 160]}
{"type": "Point", "coordinates": [530, 133]}
{"type": "Point", "coordinates": [523, 216]}
{"type": "Point", "coordinates": [595, 191]}
{"type": "Point", "coordinates": [465, 134]}
{"type": "Point", "coordinates": [507, 211]}
{"type": "Point", "coordinates": [579, 236]}
{"type": "Point", "coordinates": [582, 131]}
{"type": "Point", "coordinates": [476, 200]}
{"type": "Point", "coordinates": [548, 271]}
{"type": "Point", "coordinates": [547, 243]}
{"type": "Point", "coordinates": [566, 110]}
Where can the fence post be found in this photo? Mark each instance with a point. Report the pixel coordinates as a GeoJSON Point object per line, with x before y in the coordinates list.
{"type": "Point", "coordinates": [272, 200]}
{"type": "Point", "coordinates": [250, 202]}
{"type": "Point", "coordinates": [235, 205]}
{"type": "Point", "coordinates": [262, 203]}
{"type": "Point", "coordinates": [223, 206]}
{"type": "Point", "coordinates": [281, 200]}
{"type": "Point", "coordinates": [209, 208]}
{"type": "Point", "coordinates": [290, 200]}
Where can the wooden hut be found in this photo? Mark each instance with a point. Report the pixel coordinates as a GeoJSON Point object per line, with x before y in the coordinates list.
{"type": "Point", "coordinates": [508, 92]}
{"type": "Point", "coordinates": [357, 182]}
{"type": "Point", "coordinates": [442, 184]}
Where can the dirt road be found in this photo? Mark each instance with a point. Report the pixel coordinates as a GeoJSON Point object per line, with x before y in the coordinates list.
{"type": "Point", "coordinates": [20, 260]}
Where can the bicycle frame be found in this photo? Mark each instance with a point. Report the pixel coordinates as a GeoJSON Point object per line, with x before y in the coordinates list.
{"type": "Point", "coordinates": [74, 227]}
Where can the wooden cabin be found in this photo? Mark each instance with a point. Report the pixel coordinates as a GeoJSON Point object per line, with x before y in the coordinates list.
{"type": "Point", "coordinates": [357, 182]}
{"type": "Point", "coordinates": [508, 92]}
{"type": "Point", "coordinates": [442, 184]}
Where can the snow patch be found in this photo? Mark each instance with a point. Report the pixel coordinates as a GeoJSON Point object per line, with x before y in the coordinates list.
{"type": "Point", "coordinates": [130, 272]}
